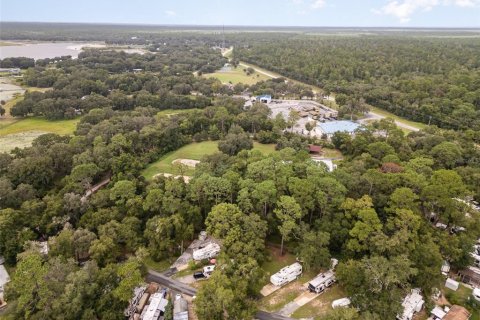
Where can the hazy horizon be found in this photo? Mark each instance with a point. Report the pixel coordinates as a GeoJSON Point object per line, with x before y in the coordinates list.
{"type": "Point", "coordinates": [445, 14]}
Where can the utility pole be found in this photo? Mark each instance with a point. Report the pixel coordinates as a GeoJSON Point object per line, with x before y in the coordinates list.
{"type": "Point", "coordinates": [429, 120]}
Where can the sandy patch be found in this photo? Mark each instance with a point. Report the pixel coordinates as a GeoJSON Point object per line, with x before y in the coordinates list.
{"type": "Point", "coordinates": [168, 175]}
{"type": "Point", "coordinates": [8, 90]}
{"type": "Point", "coordinates": [268, 289]}
{"type": "Point", "coordinates": [188, 162]}
{"type": "Point", "coordinates": [18, 140]}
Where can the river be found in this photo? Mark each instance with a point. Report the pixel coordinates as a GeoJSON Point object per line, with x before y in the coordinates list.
{"type": "Point", "coordinates": [45, 49]}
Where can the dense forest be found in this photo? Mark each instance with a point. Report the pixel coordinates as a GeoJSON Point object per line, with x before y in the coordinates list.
{"type": "Point", "coordinates": [432, 80]}
{"type": "Point", "coordinates": [375, 213]}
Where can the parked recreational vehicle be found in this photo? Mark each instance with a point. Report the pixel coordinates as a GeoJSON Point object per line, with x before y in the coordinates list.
{"type": "Point", "coordinates": [412, 304]}
{"type": "Point", "coordinates": [287, 274]}
{"type": "Point", "coordinates": [207, 271]}
{"type": "Point", "coordinates": [322, 281]}
{"type": "Point", "coordinates": [341, 303]}
{"type": "Point", "coordinates": [210, 251]}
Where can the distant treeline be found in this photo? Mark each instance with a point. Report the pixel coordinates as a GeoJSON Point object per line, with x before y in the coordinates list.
{"type": "Point", "coordinates": [428, 80]}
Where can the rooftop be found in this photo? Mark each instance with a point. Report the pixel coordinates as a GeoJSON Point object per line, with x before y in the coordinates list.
{"type": "Point", "coordinates": [457, 313]}
{"type": "Point", "coordinates": [338, 126]}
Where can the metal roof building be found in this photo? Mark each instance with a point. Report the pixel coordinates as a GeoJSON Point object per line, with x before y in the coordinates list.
{"type": "Point", "coordinates": [329, 128]}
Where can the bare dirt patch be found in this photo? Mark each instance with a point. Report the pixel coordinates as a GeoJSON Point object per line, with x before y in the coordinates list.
{"type": "Point", "coordinates": [18, 140]}
{"type": "Point", "coordinates": [188, 162]}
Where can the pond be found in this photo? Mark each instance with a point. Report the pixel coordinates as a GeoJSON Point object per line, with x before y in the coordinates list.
{"type": "Point", "coordinates": [45, 49]}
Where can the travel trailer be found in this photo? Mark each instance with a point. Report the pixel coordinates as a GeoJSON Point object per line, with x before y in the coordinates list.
{"type": "Point", "coordinates": [287, 274]}
{"type": "Point", "coordinates": [208, 252]}
{"type": "Point", "coordinates": [322, 281]}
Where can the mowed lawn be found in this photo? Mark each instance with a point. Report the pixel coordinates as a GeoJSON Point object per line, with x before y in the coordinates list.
{"type": "Point", "coordinates": [237, 75]}
{"type": "Point", "coordinates": [194, 151]}
{"type": "Point", "coordinates": [21, 133]}
{"type": "Point", "coordinates": [62, 127]}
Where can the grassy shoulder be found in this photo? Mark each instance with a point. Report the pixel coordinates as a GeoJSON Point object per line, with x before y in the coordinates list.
{"type": "Point", "coordinates": [194, 151]}
{"type": "Point", "coordinates": [237, 75]}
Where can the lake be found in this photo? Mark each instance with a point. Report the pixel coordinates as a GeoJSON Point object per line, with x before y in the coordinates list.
{"type": "Point", "coordinates": [45, 50]}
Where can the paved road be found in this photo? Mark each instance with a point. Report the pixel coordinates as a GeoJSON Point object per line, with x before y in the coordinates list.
{"type": "Point", "coordinates": [183, 288]}
{"type": "Point", "coordinates": [375, 116]}
{"type": "Point", "coordinates": [170, 283]}
{"type": "Point", "coordinates": [268, 74]}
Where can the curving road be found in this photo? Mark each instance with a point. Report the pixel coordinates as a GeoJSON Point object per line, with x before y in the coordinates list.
{"type": "Point", "coordinates": [162, 279]}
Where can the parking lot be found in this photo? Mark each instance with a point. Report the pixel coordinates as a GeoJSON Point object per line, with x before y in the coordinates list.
{"type": "Point", "coordinates": [308, 111]}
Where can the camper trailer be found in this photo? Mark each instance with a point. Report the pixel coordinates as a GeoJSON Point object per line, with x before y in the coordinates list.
{"type": "Point", "coordinates": [209, 251]}
{"type": "Point", "coordinates": [322, 281]}
{"type": "Point", "coordinates": [207, 271]}
{"type": "Point", "coordinates": [341, 303]}
{"type": "Point", "coordinates": [412, 304]}
{"type": "Point", "coordinates": [287, 274]}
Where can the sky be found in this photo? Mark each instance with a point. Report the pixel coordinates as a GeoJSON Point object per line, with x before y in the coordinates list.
{"type": "Point", "coordinates": [329, 13]}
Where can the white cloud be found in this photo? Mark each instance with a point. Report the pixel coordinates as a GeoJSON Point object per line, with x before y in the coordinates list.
{"type": "Point", "coordinates": [404, 9]}
{"type": "Point", "coordinates": [317, 4]}
{"type": "Point", "coordinates": [170, 13]}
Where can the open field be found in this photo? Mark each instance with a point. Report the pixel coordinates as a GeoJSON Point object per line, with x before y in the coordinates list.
{"type": "Point", "coordinates": [171, 112]}
{"type": "Point", "coordinates": [237, 75]}
{"type": "Point", "coordinates": [21, 133]}
{"type": "Point", "coordinates": [62, 127]}
{"type": "Point", "coordinates": [194, 151]}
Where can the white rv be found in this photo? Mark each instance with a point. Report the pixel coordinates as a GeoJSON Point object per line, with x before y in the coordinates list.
{"type": "Point", "coordinates": [341, 303]}
{"type": "Point", "coordinates": [208, 252]}
{"type": "Point", "coordinates": [412, 304]}
{"type": "Point", "coordinates": [287, 274]}
{"type": "Point", "coordinates": [207, 271]}
{"type": "Point", "coordinates": [322, 281]}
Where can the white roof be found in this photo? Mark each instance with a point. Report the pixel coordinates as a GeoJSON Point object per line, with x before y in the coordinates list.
{"type": "Point", "coordinates": [438, 312]}
{"type": "Point", "coordinates": [476, 292]}
{"type": "Point", "coordinates": [411, 303]}
{"type": "Point", "coordinates": [451, 284]}
{"type": "Point", "coordinates": [157, 302]}
{"type": "Point", "coordinates": [322, 277]}
{"type": "Point", "coordinates": [4, 277]}
{"type": "Point", "coordinates": [289, 269]}
{"type": "Point", "coordinates": [328, 163]}
{"type": "Point", "coordinates": [344, 302]}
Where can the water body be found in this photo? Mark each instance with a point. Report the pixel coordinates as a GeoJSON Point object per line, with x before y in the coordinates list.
{"type": "Point", "coordinates": [45, 49]}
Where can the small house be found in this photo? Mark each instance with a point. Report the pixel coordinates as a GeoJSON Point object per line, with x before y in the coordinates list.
{"type": "Point", "coordinates": [313, 149]}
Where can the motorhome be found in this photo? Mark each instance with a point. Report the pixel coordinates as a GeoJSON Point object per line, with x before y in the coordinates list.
{"type": "Point", "coordinates": [207, 271]}
{"type": "Point", "coordinates": [322, 281]}
{"type": "Point", "coordinates": [412, 304]}
{"type": "Point", "coordinates": [209, 251]}
{"type": "Point", "coordinates": [287, 274]}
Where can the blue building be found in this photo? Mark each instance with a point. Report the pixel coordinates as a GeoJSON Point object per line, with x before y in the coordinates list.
{"type": "Point", "coordinates": [329, 128]}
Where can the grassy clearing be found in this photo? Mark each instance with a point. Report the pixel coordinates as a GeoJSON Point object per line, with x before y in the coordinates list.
{"type": "Point", "coordinates": [194, 151]}
{"type": "Point", "coordinates": [463, 297]}
{"type": "Point", "coordinates": [62, 127]}
{"type": "Point", "coordinates": [321, 305]}
{"type": "Point", "coordinates": [159, 266]}
{"type": "Point", "coordinates": [171, 112]}
{"type": "Point", "coordinates": [331, 153]}
{"type": "Point", "coordinates": [237, 75]}
{"type": "Point", "coordinates": [21, 133]}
